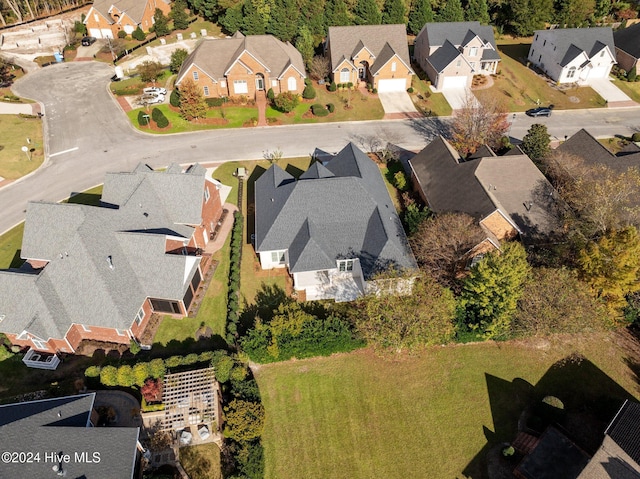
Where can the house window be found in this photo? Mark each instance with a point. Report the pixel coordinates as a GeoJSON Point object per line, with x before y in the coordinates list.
{"type": "Point", "coordinates": [459, 62]}
{"type": "Point", "coordinates": [291, 84]}
{"type": "Point", "coordinates": [394, 66]}
{"type": "Point", "coordinates": [240, 86]}
{"type": "Point", "coordinates": [140, 316]}
{"type": "Point", "coordinates": [195, 281]}
{"type": "Point", "coordinates": [274, 83]}
{"type": "Point", "coordinates": [188, 297]}
{"type": "Point", "coordinates": [345, 264]}
{"type": "Point", "coordinates": [164, 306]}
{"type": "Point", "coordinates": [572, 72]}
{"type": "Point", "coordinates": [207, 195]}
{"type": "Point", "coordinates": [602, 53]}
{"type": "Point", "coordinates": [277, 257]}
{"type": "Point", "coordinates": [223, 84]}
{"type": "Point", "coordinates": [195, 76]}
{"type": "Point", "coordinates": [344, 75]}
{"type": "Point", "coordinates": [95, 17]}
{"type": "Point", "coordinates": [39, 344]}
{"type": "Point", "coordinates": [473, 51]}
{"type": "Point", "coordinates": [539, 57]}
{"type": "Point", "coordinates": [206, 90]}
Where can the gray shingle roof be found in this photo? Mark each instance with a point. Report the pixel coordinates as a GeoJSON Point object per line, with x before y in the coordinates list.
{"type": "Point", "coordinates": [443, 56]}
{"type": "Point", "coordinates": [570, 42]}
{"type": "Point", "coordinates": [480, 186]}
{"type": "Point", "coordinates": [322, 219]}
{"type": "Point", "coordinates": [80, 243]}
{"type": "Point", "coordinates": [344, 41]}
{"type": "Point", "coordinates": [625, 429]}
{"type": "Point", "coordinates": [60, 425]}
{"type": "Point", "coordinates": [133, 8]}
{"type": "Point", "coordinates": [215, 56]}
{"type": "Point", "coordinates": [458, 33]}
{"type": "Point", "coordinates": [628, 40]}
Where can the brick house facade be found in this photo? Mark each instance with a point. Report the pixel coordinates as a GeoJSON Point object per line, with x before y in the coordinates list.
{"type": "Point", "coordinates": [108, 17]}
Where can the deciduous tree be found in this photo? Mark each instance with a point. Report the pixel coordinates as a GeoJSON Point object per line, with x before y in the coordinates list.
{"type": "Point", "coordinates": [254, 21]}
{"type": "Point", "coordinates": [476, 124]}
{"type": "Point", "coordinates": [178, 15]}
{"type": "Point", "coordinates": [192, 102]}
{"type": "Point", "coordinates": [525, 16]}
{"type": "Point", "coordinates": [232, 19]}
{"type": "Point", "coordinates": [177, 59]}
{"type": "Point", "coordinates": [491, 292]}
{"type": "Point", "coordinates": [149, 71]}
{"type": "Point", "coordinates": [319, 68]}
{"type": "Point", "coordinates": [304, 43]}
{"type": "Point", "coordinates": [536, 142]}
{"type": "Point", "coordinates": [441, 242]}
{"type": "Point", "coordinates": [395, 322]}
{"type": "Point", "coordinates": [420, 14]}
{"type": "Point", "coordinates": [244, 420]}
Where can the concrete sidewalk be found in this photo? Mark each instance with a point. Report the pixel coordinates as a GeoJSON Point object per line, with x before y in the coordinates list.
{"type": "Point", "coordinates": [17, 108]}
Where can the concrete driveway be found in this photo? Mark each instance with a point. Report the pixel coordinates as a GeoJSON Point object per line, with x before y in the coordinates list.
{"type": "Point", "coordinates": [607, 90]}
{"type": "Point", "coordinates": [457, 97]}
{"type": "Point", "coordinates": [397, 103]}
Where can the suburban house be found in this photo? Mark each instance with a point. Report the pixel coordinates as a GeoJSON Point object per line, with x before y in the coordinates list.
{"type": "Point", "coordinates": [57, 438]}
{"type": "Point", "coordinates": [376, 54]}
{"type": "Point", "coordinates": [586, 147]}
{"type": "Point", "coordinates": [627, 42]}
{"type": "Point", "coordinates": [108, 17]}
{"type": "Point", "coordinates": [507, 194]}
{"type": "Point", "coordinates": [334, 227]}
{"type": "Point", "coordinates": [98, 273]}
{"type": "Point", "coordinates": [244, 65]}
{"type": "Point", "coordinates": [574, 55]}
{"type": "Point", "coordinates": [451, 53]}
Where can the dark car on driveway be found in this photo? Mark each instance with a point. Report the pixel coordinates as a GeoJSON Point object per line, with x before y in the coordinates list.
{"type": "Point", "coordinates": [540, 111]}
{"type": "Point", "coordinates": [88, 41]}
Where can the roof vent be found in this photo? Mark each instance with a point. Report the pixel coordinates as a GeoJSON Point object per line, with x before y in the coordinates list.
{"type": "Point", "coordinates": [110, 261]}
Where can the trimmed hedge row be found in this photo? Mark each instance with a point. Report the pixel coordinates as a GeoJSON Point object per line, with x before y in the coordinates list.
{"type": "Point", "coordinates": [235, 258]}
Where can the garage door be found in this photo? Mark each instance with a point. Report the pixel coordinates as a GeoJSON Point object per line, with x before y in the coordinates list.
{"type": "Point", "coordinates": [598, 72]}
{"type": "Point", "coordinates": [95, 32]}
{"type": "Point", "coordinates": [454, 82]}
{"type": "Point", "coordinates": [399, 84]}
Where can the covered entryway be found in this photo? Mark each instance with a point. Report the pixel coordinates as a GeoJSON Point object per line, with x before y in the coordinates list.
{"type": "Point", "coordinates": [259, 81]}
{"type": "Point", "coordinates": [456, 82]}
{"type": "Point", "coordinates": [396, 84]}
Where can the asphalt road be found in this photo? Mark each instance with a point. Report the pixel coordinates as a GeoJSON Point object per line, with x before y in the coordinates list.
{"type": "Point", "coordinates": [88, 135]}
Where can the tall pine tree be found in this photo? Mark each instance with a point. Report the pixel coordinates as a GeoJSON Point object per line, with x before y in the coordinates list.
{"type": "Point", "coordinates": [451, 12]}
{"type": "Point", "coordinates": [305, 45]}
{"type": "Point", "coordinates": [367, 13]}
{"type": "Point", "coordinates": [253, 22]}
{"type": "Point", "coordinates": [283, 21]}
{"type": "Point", "coordinates": [420, 14]}
{"type": "Point", "coordinates": [337, 14]}
{"type": "Point", "coordinates": [393, 12]}
{"type": "Point", "coordinates": [477, 10]}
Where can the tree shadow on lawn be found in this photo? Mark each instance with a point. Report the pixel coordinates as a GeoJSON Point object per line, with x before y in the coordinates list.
{"type": "Point", "coordinates": [518, 52]}
{"type": "Point", "coordinates": [250, 220]}
{"type": "Point", "coordinates": [584, 390]}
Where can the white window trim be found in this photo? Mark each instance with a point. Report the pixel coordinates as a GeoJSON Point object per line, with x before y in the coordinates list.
{"type": "Point", "coordinates": [346, 265]}
{"type": "Point", "coordinates": [139, 316]}
{"type": "Point", "coordinates": [394, 66]}
{"type": "Point", "coordinates": [207, 195]}
{"type": "Point", "coordinates": [345, 71]}
{"type": "Point", "coordinates": [39, 344]}
{"type": "Point", "coordinates": [196, 77]}
{"type": "Point", "coordinates": [274, 83]}
{"type": "Point", "coordinates": [292, 84]}
{"type": "Point", "coordinates": [473, 51]}
{"type": "Point", "coordinates": [205, 90]}
{"type": "Point", "coordinates": [240, 91]}
{"type": "Point", "coordinates": [223, 84]}
{"type": "Point", "coordinates": [278, 257]}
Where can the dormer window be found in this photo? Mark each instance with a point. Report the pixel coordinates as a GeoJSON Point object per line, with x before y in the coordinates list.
{"type": "Point", "coordinates": [393, 66]}
{"type": "Point", "coordinates": [602, 53]}
{"type": "Point", "coordinates": [345, 264]}
{"type": "Point", "coordinates": [473, 51]}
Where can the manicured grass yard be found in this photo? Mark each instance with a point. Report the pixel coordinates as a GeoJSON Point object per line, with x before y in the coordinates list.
{"type": "Point", "coordinates": [631, 89]}
{"type": "Point", "coordinates": [15, 131]}
{"type": "Point", "coordinates": [201, 462]}
{"type": "Point", "coordinates": [10, 245]}
{"type": "Point", "coordinates": [519, 87]}
{"type": "Point", "coordinates": [427, 101]}
{"type": "Point", "coordinates": [421, 416]}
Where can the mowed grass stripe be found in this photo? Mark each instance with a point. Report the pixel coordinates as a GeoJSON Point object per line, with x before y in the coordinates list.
{"type": "Point", "coordinates": [359, 416]}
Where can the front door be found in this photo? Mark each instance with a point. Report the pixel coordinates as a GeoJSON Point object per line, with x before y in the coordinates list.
{"type": "Point", "coordinates": [259, 82]}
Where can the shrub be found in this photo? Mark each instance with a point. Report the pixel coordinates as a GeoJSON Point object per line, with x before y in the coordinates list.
{"type": "Point", "coordinates": [212, 102]}
{"type": "Point", "coordinates": [632, 75]}
{"type": "Point", "coordinates": [286, 102]}
{"type": "Point", "coordinates": [138, 34]}
{"type": "Point", "coordinates": [140, 373]}
{"type": "Point", "coordinates": [270, 94]}
{"type": "Point", "coordinates": [206, 356]}
{"type": "Point", "coordinates": [174, 98]}
{"type": "Point", "coordinates": [369, 86]}
{"type": "Point", "coordinates": [151, 407]}
{"type": "Point", "coordinates": [374, 91]}
{"type": "Point", "coordinates": [350, 85]}
{"type": "Point", "coordinates": [223, 368]}
{"type": "Point", "coordinates": [400, 180]}
{"type": "Point", "coordinates": [173, 361]}
{"type": "Point", "coordinates": [331, 107]}
{"type": "Point", "coordinates": [332, 86]}
{"type": "Point", "coordinates": [156, 368]}
{"type": "Point", "coordinates": [109, 376]}
{"type": "Point", "coordinates": [635, 137]}
{"type": "Point", "coordinates": [410, 90]}
{"type": "Point", "coordinates": [122, 34]}
{"type": "Point", "coordinates": [159, 118]}
{"type": "Point", "coordinates": [190, 359]}
{"type": "Point", "coordinates": [134, 347]}
{"type": "Point", "coordinates": [177, 59]}
{"type": "Point", "coordinates": [142, 119]}
{"type": "Point", "coordinates": [92, 371]}
{"type": "Point", "coordinates": [156, 114]}
{"type": "Point", "coordinates": [238, 373]}
{"type": "Point", "coordinates": [309, 93]}
{"type": "Point", "coordinates": [319, 110]}
{"type": "Point", "coordinates": [125, 376]}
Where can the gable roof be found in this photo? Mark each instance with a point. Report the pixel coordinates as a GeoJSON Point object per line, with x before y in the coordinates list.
{"type": "Point", "coordinates": [443, 56]}
{"type": "Point", "coordinates": [628, 40]}
{"type": "Point", "coordinates": [341, 210]}
{"type": "Point", "coordinates": [61, 425]}
{"type": "Point", "coordinates": [571, 42]}
{"type": "Point", "coordinates": [457, 33]}
{"type": "Point", "coordinates": [103, 260]}
{"type": "Point", "coordinates": [480, 186]}
{"type": "Point", "coordinates": [381, 40]}
{"type": "Point", "coordinates": [216, 56]}
{"type": "Point", "coordinates": [134, 9]}
{"type": "Point", "coordinates": [583, 145]}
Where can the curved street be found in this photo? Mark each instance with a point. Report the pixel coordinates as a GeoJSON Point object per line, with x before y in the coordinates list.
{"type": "Point", "coordinates": [87, 134]}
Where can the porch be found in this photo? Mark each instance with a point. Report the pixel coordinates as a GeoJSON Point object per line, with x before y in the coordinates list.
{"type": "Point", "coordinates": [329, 284]}
{"type": "Point", "coordinates": [40, 360]}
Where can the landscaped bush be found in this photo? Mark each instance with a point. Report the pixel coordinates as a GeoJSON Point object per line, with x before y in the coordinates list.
{"type": "Point", "coordinates": [374, 91]}
{"type": "Point", "coordinates": [350, 85]}
{"type": "Point", "coordinates": [173, 362]}
{"type": "Point", "coordinates": [213, 102]}
{"type": "Point", "coordinates": [151, 407]}
{"type": "Point", "coordinates": [309, 93]}
{"type": "Point", "coordinates": [159, 118]}
{"type": "Point", "coordinates": [142, 119]}
{"type": "Point", "coordinates": [109, 376]}
{"type": "Point", "coordinates": [156, 368]}
{"type": "Point", "coordinates": [138, 34]}
{"type": "Point", "coordinates": [410, 90]}
{"type": "Point", "coordinates": [319, 110]}
{"type": "Point", "coordinates": [286, 102]}
{"type": "Point", "coordinates": [632, 75]}
{"type": "Point", "coordinates": [125, 376]}
{"type": "Point", "coordinates": [92, 371]}
{"type": "Point", "coordinates": [122, 34]}
{"type": "Point", "coordinates": [400, 180]}
{"type": "Point", "coordinates": [140, 373]}
{"type": "Point", "coordinates": [234, 277]}
{"type": "Point", "coordinates": [307, 82]}
{"type": "Point", "coordinates": [635, 137]}
{"type": "Point", "coordinates": [174, 98]}
{"type": "Point", "coordinates": [270, 94]}
{"type": "Point", "coordinates": [331, 107]}
{"type": "Point", "coordinates": [151, 391]}
{"type": "Point", "coordinates": [332, 86]}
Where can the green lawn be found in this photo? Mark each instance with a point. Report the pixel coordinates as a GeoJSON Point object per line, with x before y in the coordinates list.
{"type": "Point", "coordinates": [420, 416]}
{"type": "Point", "coordinates": [520, 88]}
{"type": "Point", "coordinates": [426, 101]}
{"type": "Point", "coordinates": [631, 89]}
{"type": "Point", "coordinates": [14, 163]}
{"type": "Point", "coordinates": [10, 245]}
{"type": "Point", "coordinates": [201, 462]}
